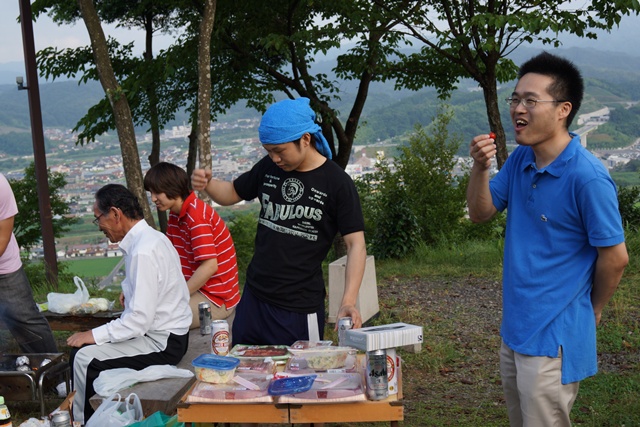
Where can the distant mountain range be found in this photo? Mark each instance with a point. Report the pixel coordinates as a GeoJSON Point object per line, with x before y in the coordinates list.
{"type": "Point", "coordinates": [611, 77]}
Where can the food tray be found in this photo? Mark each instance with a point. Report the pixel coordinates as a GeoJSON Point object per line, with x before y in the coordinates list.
{"type": "Point", "coordinates": [256, 366]}
{"type": "Point", "coordinates": [245, 387]}
{"type": "Point", "coordinates": [331, 387]}
{"type": "Point", "coordinates": [275, 352]}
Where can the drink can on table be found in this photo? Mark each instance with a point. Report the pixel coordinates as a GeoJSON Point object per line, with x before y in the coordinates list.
{"type": "Point", "coordinates": [61, 419]}
{"type": "Point", "coordinates": [204, 313]}
{"type": "Point", "coordinates": [393, 370]}
{"type": "Point", "coordinates": [377, 381]}
{"type": "Point", "coordinates": [344, 323]}
{"type": "Point", "coordinates": [220, 337]}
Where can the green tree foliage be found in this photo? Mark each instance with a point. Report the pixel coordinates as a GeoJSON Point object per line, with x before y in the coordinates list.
{"type": "Point", "coordinates": [41, 286]}
{"type": "Point", "coordinates": [27, 226]}
{"type": "Point", "coordinates": [276, 44]}
{"type": "Point", "coordinates": [629, 203]}
{"type": "Point", "coordinates": [607, 136]}
{"type": "Point", "coordinates": [18, 144]}
{"type": "Point", "coordinates": [625, 120]}
{"type": "Point", "coordinates": [632, 166]}
{"type": "Point", "coordinates": [426, 166]}
{"type": "Point", "coordinates": [422, 200]}
{"type": "Point", "coordinates": [243, 232]}
{"type": "Point", "coordinates": [391, 227]}
{"type": "Point", "coordinates": [474, 38]}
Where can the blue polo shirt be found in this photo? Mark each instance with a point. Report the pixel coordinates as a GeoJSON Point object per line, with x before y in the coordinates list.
{"type": "Point", "coordinates": [557, 217]}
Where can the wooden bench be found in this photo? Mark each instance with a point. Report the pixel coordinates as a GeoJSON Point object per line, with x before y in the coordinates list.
{"type": "Point", "coordinates": [161, 395]}
{"type": "Point", "coordinates": [76, 322]}
{"type": "Point", "coordinates": [164, 395]}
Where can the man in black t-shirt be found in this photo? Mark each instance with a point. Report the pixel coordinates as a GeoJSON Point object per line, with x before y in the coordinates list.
{"type": "Point", "coordinates": [306, 199]}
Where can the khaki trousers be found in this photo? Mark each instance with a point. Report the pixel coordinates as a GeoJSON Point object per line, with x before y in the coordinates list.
{"type": "Point", "coordinates": [533, 390]}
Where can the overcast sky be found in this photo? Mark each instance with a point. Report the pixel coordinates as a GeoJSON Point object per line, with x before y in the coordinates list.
{"type": "Point", "coordinates": [46, 33]}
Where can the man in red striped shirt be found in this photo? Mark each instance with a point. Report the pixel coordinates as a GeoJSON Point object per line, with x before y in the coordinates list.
{"type": "Point", "coordinates": [202, 239]}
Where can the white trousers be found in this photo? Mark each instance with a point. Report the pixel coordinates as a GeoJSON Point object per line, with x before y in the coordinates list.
{"type": "Point", "coordinates": [136, 353]}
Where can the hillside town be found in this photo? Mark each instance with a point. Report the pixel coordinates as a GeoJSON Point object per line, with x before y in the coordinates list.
{"type": "Point", "coordinates": [84, 178]}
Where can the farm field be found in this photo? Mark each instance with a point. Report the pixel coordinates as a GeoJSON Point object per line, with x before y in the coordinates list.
{"type": "Point", "coordinates": [91, 268]}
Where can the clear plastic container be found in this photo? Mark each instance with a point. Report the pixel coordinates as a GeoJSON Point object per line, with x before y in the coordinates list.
{"type": "Point", "coordinates": [275, 352]}
{"type": "Point", "coordinates": [330, 387]}
{"type": "Point", "coordinates": [257, 365]}
{"type": "Point", "coordinates": [215, 369]}
{"type": "Point", "coordinates": [245, 387]}
{"type": "Point", "coordinates": [305, 345]}
{"type": "Point", "coordinates": [321, 358]}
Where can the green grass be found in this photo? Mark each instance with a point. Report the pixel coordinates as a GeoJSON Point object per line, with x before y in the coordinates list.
{"type": "Point", "coordinates": [454, 380]}
{"type": "Point", "coordinates": [92, 267]}
{"type": "Point", "coordinates": [610, 398]}
{"type": "Point", "coordinates": [477, 258]}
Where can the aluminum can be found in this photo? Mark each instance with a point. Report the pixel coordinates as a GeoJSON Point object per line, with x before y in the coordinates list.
{"type": "Point", "coordinates": [377, 381]}
{"type": "Point", "coordinates": [393, 370]}
{"type": "Point", "coordinates": [61, 419]}
{"type": "Point", "coordinates": [204, 313]}
{"type": "Point", "coordinates": [220, 337]}
{"type": "Point", "coordinates": [344, 323]}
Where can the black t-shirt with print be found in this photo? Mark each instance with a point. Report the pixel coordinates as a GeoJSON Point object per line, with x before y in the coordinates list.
{"type": "Point", "coordinates": [300, 215]}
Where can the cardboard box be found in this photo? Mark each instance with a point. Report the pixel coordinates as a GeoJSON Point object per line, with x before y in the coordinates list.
{"type": "Point", "coordinates": [383, 336]}
{"type": "Point", "coordinates": [367, 302]}
{"type": "Point", "coordinates": [66, 405]}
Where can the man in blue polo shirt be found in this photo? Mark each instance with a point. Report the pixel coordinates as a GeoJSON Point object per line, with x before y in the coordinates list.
{"type": "Point", "coordinates": [564, 247]}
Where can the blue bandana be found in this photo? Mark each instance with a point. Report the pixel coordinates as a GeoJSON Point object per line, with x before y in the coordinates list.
{"type": "Point", "coordinates": [287, 120]}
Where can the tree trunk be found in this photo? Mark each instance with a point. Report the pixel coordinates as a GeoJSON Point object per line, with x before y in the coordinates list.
{"type": "Point", "coordinates": [119, 104]}
{"type": "Point", "coordinates": [204, 84]}
{"type": "Point", "coordinates": [490, 92]}
{"type": "Point", "coordinates": [192, 155]}
{"type": "Point", "coordinates": [150, 88]}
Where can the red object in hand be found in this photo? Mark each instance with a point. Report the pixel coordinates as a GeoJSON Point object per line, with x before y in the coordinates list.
{"type": "Point", "coordinates": [492, 135]}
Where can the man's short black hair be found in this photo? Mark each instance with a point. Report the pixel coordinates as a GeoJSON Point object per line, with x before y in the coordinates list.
{"type": "Point", "coordinates": [119, 196]}
{"type": "Point", "coordinates": [169, 179]}
{"type": "Point", "coordinates": [567, 85]}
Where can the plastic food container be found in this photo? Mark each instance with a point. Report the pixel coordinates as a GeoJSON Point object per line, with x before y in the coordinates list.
{"type": "Point", "coordinates": [257, 365]}
{"type": "Point", "coordinates": [321, 358]}
{"type": "Point", "coordinates": [291, 385]}
{"type": "Point", "coordinates": [329, 387]}
{"type": "Point", "coordinates": [215, 369]}
{"type": "Point", "coordinates": [245, 387]}
{"type": "Point", "coordinates": [306, 345]}
{"type": "Point", "coordinates": [275, 352]}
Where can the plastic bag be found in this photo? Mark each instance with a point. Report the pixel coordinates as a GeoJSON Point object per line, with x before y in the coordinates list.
{"type": "Point", "coordinates": [92, 306]}
{"type": "Point", "coordinates": [63, 303]}
{"type": "Point", "coordinates": [112, 380]}
{"type": "Point", "coordinates": [159, 419]}
{"type": "Point", "coordinates": [117, 413]}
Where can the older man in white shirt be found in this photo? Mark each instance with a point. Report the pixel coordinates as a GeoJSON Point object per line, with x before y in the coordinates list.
{"type": "Point", "coordinates": [154, 326]}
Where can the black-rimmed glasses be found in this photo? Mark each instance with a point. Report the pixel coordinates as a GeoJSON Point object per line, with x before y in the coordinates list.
{"type": "Point", "coordinates": [96, 220]}
{"type": "Point", "coordinates": [527, 102]}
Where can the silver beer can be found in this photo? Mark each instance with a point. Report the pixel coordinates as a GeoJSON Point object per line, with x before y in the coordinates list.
{"type": "Point", "coordinates": [204, 313]}
{"type": "Point", "coordinates": [344, 323]}
{"type": "Point", "coordinates": [220, 337]}
{"type": "Point", "coordinates": [377, 381]}
{"type": "Point", "coordinates": [61, 419]}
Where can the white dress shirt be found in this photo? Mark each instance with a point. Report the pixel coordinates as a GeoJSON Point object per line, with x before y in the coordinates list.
{"type": "Point", "coordinates": [156, 296]}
